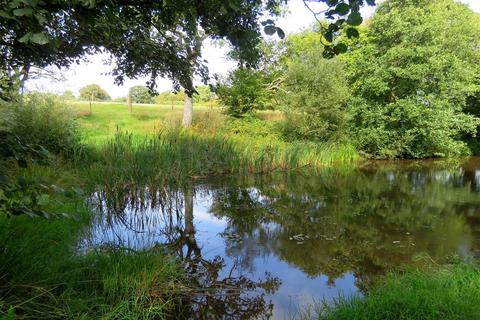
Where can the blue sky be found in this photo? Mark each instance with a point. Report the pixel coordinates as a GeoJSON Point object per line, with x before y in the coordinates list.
{"type": "Point", "coordinates": [96, 71]}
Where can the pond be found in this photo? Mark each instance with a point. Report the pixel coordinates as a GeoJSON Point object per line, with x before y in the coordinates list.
{"type": "Point", "coordinates": [268, 246]}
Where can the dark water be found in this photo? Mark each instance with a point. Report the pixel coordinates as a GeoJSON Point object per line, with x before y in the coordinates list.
{"type": "Point", "coordinates": [268, 246]}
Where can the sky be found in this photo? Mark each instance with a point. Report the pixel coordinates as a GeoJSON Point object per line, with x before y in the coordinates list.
{"type": "Point", "coordinates": [95, 70]}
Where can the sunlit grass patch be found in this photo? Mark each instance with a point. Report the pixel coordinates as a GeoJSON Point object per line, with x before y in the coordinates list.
{"type": "Point", "coordinates": [451, 292]}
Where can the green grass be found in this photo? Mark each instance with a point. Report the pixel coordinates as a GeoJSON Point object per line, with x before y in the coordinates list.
{"type": "Point", "coordinates": [445, 293]}
{"type": "Point", "coordinates": [108, 118]}
{"type": "Point", "coordinates": [150, 146]}
{"type": "Point", "coordinates": [43, 276]}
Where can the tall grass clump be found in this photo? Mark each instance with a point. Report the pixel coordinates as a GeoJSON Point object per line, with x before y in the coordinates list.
{"type": "Point", "coordinates": [49, 271]}
{"type": "Point", "coordinates": [445, 293]}
{"type": "Point", "coordinates": [35, 124]}
{"type": "Point", "coordinates": [174, 155]}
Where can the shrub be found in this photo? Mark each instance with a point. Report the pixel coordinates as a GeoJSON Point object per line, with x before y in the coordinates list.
{"type": "Point", "coordinates": [244, 91]}
{"type": "Point", "coordinates": [315, 92]}
{"type": "Point", "coordinates": [35, 124]}
{"type": "Point", "coordinates": [407, 129]}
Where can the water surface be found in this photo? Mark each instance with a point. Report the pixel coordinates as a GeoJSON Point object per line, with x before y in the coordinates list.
{"type": "Point", "coordinates": [267, 246]}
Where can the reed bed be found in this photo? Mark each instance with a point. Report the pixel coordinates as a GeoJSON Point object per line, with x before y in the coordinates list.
{"type": "Point", "coordinates": [179, 155]}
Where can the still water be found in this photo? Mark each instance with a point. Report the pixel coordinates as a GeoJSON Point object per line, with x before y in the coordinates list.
{"type": "Point", "coordinates": [268, 246]}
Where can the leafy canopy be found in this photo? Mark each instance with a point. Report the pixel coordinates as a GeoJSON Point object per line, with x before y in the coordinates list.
{"type": "Point", "coordinates": [140, 94]}
{"type": "Point", "coordinates": [314, 90]}
{"type": "Point", "coordinates": [93, 92]}
{"type": "Point", "coordinates": [411, 76]}
{"type": "Point", "coordinates": [144, 38]}
{"type": "Point", "coordinates": [244, 91]}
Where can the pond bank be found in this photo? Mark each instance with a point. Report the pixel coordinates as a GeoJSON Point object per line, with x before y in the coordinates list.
{"type": "Point", "coordinates": [333, 231]}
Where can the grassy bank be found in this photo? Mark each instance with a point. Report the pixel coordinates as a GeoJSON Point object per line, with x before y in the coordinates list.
{"type": "Point", "coordinates": [446, 293]}
{"type": "Point", "coordinates": [45, 275]}
{"type": "Point", "coordinates": [149, 145]}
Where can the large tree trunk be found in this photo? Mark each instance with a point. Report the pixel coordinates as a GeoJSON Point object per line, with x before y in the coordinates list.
{"type": "Point", "coordinates": [187, 110]}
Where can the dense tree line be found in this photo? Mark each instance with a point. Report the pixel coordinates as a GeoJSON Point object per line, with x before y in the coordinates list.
{"type": "Point", "coordinates": [408, 86]}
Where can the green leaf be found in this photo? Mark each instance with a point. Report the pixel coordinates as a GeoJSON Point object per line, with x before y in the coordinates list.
{"type": "Point", "coordinates": [328, 52]}
{"type": "Point", "coordinates": [40, 18]}
{"type": "Point", "coordinates": [39, 38]}
{"type": "Point", "coordinates": [340, 48]}
{"type": "Point", "coordinates": [342, 9]}
{"type": "Point", "coordinates": [6, 15]}
{"type": "Point", "coordinates": [280, 33]}
{"type": "Point", "coordinates": [355, 19]}
{"type": "Point", "coordinates": [352, 33]}
{"type": "Point", "coordinates": [25, 38]}
{"type": "Point", "coordinates": [43, 199]}
{"type": "Point", "coordinates": [23, 12]}
{"type": "Point", "coordinates": [270, 29]}
{"type": "Point", "coordinates": [329, 36]}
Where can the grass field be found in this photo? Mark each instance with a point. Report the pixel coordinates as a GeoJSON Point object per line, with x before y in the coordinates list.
{"type": "Point", "coordinates": [108, 118]}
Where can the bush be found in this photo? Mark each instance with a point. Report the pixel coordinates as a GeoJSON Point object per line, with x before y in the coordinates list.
{"type": "Point", "coordinates": [244, 91]}
{"type": "Point", "coordinates": [168, 97]}
{"type": "Point", "coordinates": [35, 124]}
{"type": "Point", "coordinates": [315, 92]}
{"type": "Point", "coordinates": [407, 129]}
{"type": "Point", "coordinates": [204, 94]}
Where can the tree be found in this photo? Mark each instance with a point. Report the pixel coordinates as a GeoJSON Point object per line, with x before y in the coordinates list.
{"type": "Point", "coordinates": [204, 94]}
{"type": "Point", "coordinates": [411, 76]}
{"type": "Point", "coordinates": [142, 37]}
{"type": "Point", "coordinates": [140, 94]}
{"type": "Point", "coordinates": [67, 95]}
{"type": "Point", "coordinates": [93, 92]}
{"type": "Point", "coordinates": [314, 90]}
{"type": "Point", "coordinates": [244, 91]}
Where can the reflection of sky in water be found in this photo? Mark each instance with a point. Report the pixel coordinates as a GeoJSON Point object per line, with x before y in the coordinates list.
{"type": "Point", "coordinates": [439, 192]}
{"type": "Point", "coordinates": [296, 291]}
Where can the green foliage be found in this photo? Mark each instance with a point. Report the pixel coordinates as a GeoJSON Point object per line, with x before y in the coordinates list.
{"type": "Point", "coordinates": [204, 94]}
{"type": "Point", "coordinates": [411, 76]}
{"type": "Point", "coordinates": [121, 99]}
{"type": "Point", "coordinates": [140, 94]}
{"type": "Point", "coordinates": [31, 197]}
{"type": "Point", "coordinates": [35, 126]}
{"type": "Point", "coordinates": [33, 130]}
{"type": "Point", "coordinates": [314, 91]}
{"type": "Point", "coordinates": [408, 129]}
{"type": "Point", "coordinates": [37, 33]}
{"type": "Point", "coordinates": [169, 97]}
{"type": "Point", "coordinates": [93, 92]}
{"type": "Point", "coordinates": [445, 293]}
{"type": "Point", "coordinates": [67, 95]}
{"type": "Point", "coordinates": [244, 91]}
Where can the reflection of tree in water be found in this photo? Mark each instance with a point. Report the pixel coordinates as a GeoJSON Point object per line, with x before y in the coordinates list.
{"type": "Point", "coordinates": [364, 221]}
{"type": "Point", "coordinates": [361, 221]}
{"type": "Point", "coordinates": [213, 291]}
